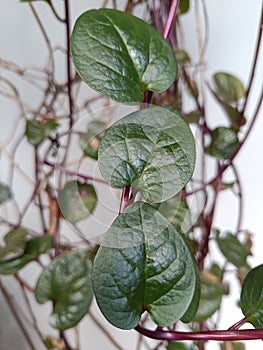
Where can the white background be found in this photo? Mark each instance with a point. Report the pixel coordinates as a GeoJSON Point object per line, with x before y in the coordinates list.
{"type": "Point", "coordinates": [233, 26]}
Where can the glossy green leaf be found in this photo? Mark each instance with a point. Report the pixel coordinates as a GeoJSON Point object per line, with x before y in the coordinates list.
{"type": "Point", "coordinates": [15, 243]}
{"type": "Point", "coordinates": [224, 142]}
{"type": "Point", "coordinates": [184, 6]}
{"type": "Point", "coordinates": [90, 141]}
{"type": "Point", "coordinates": [148, 266]}
{"type": "Point", "coordinates": [121, 56]}
{"type": "Point", "coordinates": [229, 88]}
{"type": "Point", "coordinates": [5, 193]}
{"type": "Point", "coordinates": [77, 201]}
{"type": "Point", "coordinates": [251, 300]}
{"type": "Point", "coordinates": [177, 212]}
{"type": "Point", "coordinates": [211, 297]}
{"type": "Point", "coordinates": [67, 282]}
{"type": "Point", "coordinates": [152, 149]}
{"type": "Point", "coordinates": [233, 250]}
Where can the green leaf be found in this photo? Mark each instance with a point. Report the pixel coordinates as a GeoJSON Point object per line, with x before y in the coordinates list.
{"type": "Point", "coordinates": [182, 56]}
{"type": "Point", "coordinates": [121, 56]}
{"type": "Point", "coordinates": [39, 245]}
{"type": "Point", "coordinates": [251, 300]}
{"type": "Point", "coordinates": [144, 263]}
{"type": "Point", "coordinates": [90, 141]}
{"type": "Point", "coordinates": [15, 243]}
{"type": "Point", "coordinates": [192, 117]}
{"type": "Point", "coordinates": [233, 250]}
{"type": "Point", "coordinates": [67, 282]}
{"type": "Point", "coordinates": [77, 201]}
{"type": "Point", "coordinates": [184, 6]}
{"type": "Point", "coordinates": [5, 193]}
{"type": "Point", "coordinates": [152, 149]}
{"type": "Point", "coordinates": [34, 132]}
{"type": "Point", "coordinates": [37, 131]}
{"type": "Point", "coordinates": [22, 252]}
{"type": "Point", "coordinates": [175, 345]}
{"type": "Point", "coordinates": [229, 88]}
{"type": "Point", "coordinates": [211, 297]}
{"type": "Point", "coordinates": [224, 142]}
{"type": "Point", "coordinates": [177, 212]}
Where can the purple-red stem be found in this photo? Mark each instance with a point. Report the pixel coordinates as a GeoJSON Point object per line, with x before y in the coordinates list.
{"type": "Point", "coordinates": [170, 20]}
{"type": "Point", "coordinates": [218, 335]}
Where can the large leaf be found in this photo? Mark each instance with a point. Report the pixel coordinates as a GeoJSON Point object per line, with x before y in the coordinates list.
{"type": "Point", "coordinates": [234, 251]}
{"type": "Point", "coordinates": [229, 88]}
{"type": "Point", "coordinates": [224, 142]}
{"type": "Point", "coordinates": [15, 243]}
{"type": "Point", "coordinates": [211, 296]}
{"type": "Point", "coordinates": [121, 56]}
{"type": "Point", "coordinates": [251, 300]}
{"type": "Point", "coordinates": [152, 150]}
{"type": "Point", "coordinates": [144, 263]}
{"type": "Point", "coordinates": [77, 201]}
{"type": "Point", "coordinates": [5, 193]}
{"type": "Point", "coordinates": [67, 282]}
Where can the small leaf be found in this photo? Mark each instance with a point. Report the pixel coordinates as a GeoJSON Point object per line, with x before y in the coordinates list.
{"type": "Point", "coordinates": [233, 250]}
{"type": "Point", "coordinates": [121, 56]}
{"type": "Point", "coordinates": [224, 142]}
{"type": "Point", "coordinates": [67, 282]}
{"type": "Point", "coordinates": [15, 243]}
{"type": "Point", "coordinates": [229, 88]}
{"type": "Point", "coordinates": [5, 193]}
{"type": "Point", "coordinates": [251, 300]}
{"type": "Point", "coordinates": [34, 132]}
{"type": "Point", "coordinates": [192, 117]}
{"type": "Point", "coordinates": [39, 245]}
{"type": "Point", "coordinates": [152, 149]}
{"type": "Point", "coordinates": [211, 297]}
{"type": "Point", "coordinates": [77, 201]}
{"type": "Point", "coordinates": [50, 125]}
{"type": "Point", "coordinates": [10, 267]}
{"type": "Point", "coordinates": [182, 56]}
{"type": "Point", "coordinates": [148, 266]}
{"type": "Point", "coordinates": [90, 141]}
{"type": "Point", "coordinates": [184, 6]}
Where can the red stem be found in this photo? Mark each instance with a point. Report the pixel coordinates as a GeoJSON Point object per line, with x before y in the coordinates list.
{"type": "Point", "coordinates": [170, 20]}
{"type": "Point", "coordinates": [221, 335]}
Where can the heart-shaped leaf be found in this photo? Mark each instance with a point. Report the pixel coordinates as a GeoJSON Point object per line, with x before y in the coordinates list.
{"type": "Point", "coordinates": [67, 282]}
{"type": "Point", "coordinates": [37, 131]}
{"type": "Point", "coordinates": [144, 263]}
{"type": "Point", "coordinates": [251, 300]}
{"type": "Point", "coordinates": [224, 142]}
{"type": "Point", "coordinates": [152, 149]}
{"type": "Point", "coordinates": [234, 251]}
{"type": "Point", "coordinates": [229, 88]}
{"type": "Point", "coordinates": [5, 193]}
{"type": "Point", "coordinates": [77, 201]}
{"type": "Point", "coordinates": [121, 56]}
